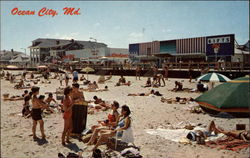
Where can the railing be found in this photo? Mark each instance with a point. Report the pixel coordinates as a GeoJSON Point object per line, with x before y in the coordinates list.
{"type": "Point", "coordinates": [223, 66]}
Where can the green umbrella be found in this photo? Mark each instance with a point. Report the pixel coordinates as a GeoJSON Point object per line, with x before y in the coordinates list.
{"type": "Point", "coordinates": [232, 97]}
{"type": "Point", "coordinates": [87, 70]}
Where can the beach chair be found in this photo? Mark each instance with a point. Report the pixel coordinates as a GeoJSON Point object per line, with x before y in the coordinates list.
{"type": "Point", "coordinates": [127, 137]}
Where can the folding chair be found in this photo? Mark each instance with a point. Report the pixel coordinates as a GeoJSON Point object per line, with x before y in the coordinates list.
{"type": "Point", "coordinates": [127, 136]}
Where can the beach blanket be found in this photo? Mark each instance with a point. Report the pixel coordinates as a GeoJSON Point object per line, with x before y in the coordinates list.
{"type": "Point", "coordinates": [228, 143]}
{"type": "Point", "coordinates": [177, 135]}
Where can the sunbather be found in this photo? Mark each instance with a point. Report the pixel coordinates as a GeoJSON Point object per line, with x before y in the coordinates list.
{"type": "Point", "coordinates": [50, 99]}
{"type": "Point", "coordinates": [106, 124]}
{"type": "Point", "coordinates": [148, 83]}
{"type": "Point", "coordinates": [123, 124]}
{"type": "Point", "coordinates": [20, 84]}
{"type": "Point", "coordinates": [238, 134]}
{"type": "Point", "coordinates": [178, 86]}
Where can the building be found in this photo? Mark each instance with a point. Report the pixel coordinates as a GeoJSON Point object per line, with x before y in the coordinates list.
{"type": "Point", "coordinates": [208, 48]}
{"type": "Point", "coordinates": [45, 50]}
{"type": "Point", "coordinates": [13, 57]}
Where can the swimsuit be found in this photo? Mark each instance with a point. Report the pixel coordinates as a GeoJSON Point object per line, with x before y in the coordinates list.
{"type": "Point", "coordinates": [67, 114]}
{"type": "Point", "coordinates": [36, 114]}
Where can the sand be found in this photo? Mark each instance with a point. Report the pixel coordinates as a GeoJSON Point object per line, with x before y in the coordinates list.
{"type": "Point", "coordinates": [147, 113]}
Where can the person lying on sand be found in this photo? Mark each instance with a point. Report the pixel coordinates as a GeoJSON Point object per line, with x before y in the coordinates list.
{"type": "Point", "coordinates": [111, 121]}
{"type": "Point", "coordinates": [178, 86]}
{"type": "Point", "coordinates": [92, 87]}
{"type": "Point", "coordinates": [238, 134]}
{"type": "Point", "coordinates": [177, 99]}
{"type": "Point", "coordinates": [98, 104]}
{"type": "Point", "coordinates": [123, 84]}
{"type": "Point", "coordinates": [152, 92]}
{"type": "Point", "coordinates": [200, 136]}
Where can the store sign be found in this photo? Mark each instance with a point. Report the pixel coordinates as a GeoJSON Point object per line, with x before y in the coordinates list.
{"type": "Point", "coordinates": [218, 40]}
{"type": "Point", "coordinates": [220, 45]}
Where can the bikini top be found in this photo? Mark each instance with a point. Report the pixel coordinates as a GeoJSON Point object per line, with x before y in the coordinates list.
{"type": "Point", "coordinates": [111, 118]}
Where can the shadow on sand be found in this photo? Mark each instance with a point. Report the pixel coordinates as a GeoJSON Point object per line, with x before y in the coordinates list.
{"type": "Point", "coordinates": [73, 147]}
{"type": "Point", "coordinates": [41, 141]}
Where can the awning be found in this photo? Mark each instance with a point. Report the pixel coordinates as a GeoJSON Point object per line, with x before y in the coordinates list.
{"type": "Point", "coordinates": [163, 55]}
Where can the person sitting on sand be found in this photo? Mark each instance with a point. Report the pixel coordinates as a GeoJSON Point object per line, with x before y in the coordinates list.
{"type": "Point", "coordinates": [20, 84]}
{"type": "Point", "coordinates": [32, 75]}
{"type": "Point", "coordinates": [26, 106]}
{"type": "Point", "coordinates": [178, 86]}
{"type": "Point", "coordinates": [101, 79]}
{"type": "Point", "coordinates": [201, 87]}
{"type": "Point", "coordinates": [112, 121]}
{"type": "Point", "coordinates": [67, 115]}
{"type": "Point", "coordinates": [42, 100]}
{"type": "Point", "coordinates": [36, 112]}
{"type": "Point", "coordinates": [122, 80]}
{"type": "Point", "coordinates": [82, 78]}
{"type": "Point", "coordinates": [123, 124]}
{"type": "Point", "coordinates": [50, 99]}
{"type": "Point", "coordinates": [148, 83]}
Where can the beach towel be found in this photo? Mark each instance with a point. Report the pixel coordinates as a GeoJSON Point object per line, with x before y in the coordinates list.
{"type": "Point", "coordinates": [228, 143]}
{"type": "Point", "coordinates": [177, 135]}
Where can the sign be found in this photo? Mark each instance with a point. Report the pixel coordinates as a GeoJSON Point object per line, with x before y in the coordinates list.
{"type": "Point", "coordinates": [222, 45]}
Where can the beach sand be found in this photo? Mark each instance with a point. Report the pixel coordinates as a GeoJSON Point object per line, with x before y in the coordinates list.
{"type": "Point", "coordinates": [147, 113]}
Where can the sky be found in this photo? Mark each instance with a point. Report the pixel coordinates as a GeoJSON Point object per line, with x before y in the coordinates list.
{"type": "Point", "coordinates": [119, 23]}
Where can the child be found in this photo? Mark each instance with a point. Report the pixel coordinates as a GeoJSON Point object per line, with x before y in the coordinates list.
{"type": "Point", "coordinates": [26, 107]}
{"type": "Point", "coordinates": [50, 99]}
{"type": "Point", "coordinates": [25, 93]}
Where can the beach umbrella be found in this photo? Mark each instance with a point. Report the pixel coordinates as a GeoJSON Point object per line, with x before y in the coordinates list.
{"type": "Point", "coordinates": [12, 67]}
{"type": "Point", "coordinates": [87, 70]}
{"type": "Point", "coordinates": [213, 77]}
{"type": "Point", "coordinates": [232, 97]}
{"type": "Point", "coordinates": [42, 67]}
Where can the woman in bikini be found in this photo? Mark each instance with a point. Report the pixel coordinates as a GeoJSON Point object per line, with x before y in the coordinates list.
{"type": "Point", "coordinates": [123, 124]}
{"type": "Point", "coordinates": [67, 115]}
{"type": "Point", "coordinates": [36, 112]}
{"type": "Point", "coordinates": [112, 121]}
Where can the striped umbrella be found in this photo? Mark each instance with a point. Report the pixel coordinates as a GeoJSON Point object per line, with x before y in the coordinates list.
{"type": "Point", "coordinates": [213, 77]}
